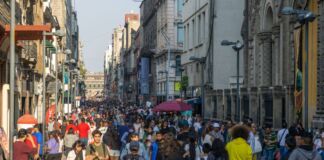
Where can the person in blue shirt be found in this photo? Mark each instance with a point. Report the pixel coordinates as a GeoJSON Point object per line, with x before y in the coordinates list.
{"type": "Point", "coordinates": [155, 151]}
{"type": "Point", "coordinates": [39, 137]}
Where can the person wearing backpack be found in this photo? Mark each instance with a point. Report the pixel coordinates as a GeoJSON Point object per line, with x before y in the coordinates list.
{"type": "Point", "coordinates": [305, 149]}
{"type": "Point", "coordinates": [97, 150]}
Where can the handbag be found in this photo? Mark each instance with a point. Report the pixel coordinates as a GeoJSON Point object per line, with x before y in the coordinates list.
{"type": "Point", "coordinates": [257, 145]}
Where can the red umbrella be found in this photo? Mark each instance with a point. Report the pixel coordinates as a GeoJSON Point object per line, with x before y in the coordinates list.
{"type": "Point", "coordinates": [172, 106]}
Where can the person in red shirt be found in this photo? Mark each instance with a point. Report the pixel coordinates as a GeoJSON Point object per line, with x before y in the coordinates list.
{"type": "Point", "coordinates": [71, 125]}
{"type": "Point", "coordinates": [83, 131]}
{"type": "Point", "coordinates": [21, 150]}
{"type": "Point", "coordinates": [28, 141]}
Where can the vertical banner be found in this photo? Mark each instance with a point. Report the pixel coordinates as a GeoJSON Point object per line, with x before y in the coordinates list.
{"type": "Point", "coordinates": [298, 48]}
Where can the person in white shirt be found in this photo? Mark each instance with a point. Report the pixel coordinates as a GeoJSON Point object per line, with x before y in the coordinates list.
{"type": "Point", "coordinates": [281, 137]}
{"type": "Point", "coordinates": [77, 152]}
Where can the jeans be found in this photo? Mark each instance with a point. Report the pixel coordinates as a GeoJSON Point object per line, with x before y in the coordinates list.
{"type": "Point", "coordinates": [283, 152]}
{"type": "Point", "coordinates": [84, 141]}
{"type": "Point", "coordinates": [269, 154]}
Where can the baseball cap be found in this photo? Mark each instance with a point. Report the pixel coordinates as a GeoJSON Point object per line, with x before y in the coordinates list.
{"type": "Point", "coordinates": [133, 146]}
{"type": "Point", "coordinates": [215, 125]}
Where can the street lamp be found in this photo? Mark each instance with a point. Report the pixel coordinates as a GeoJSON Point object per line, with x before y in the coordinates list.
{"type": "Point", "coordinates": [304, 17]}
{"type": "Point", "coordinates": [202, 61]}
{"type": "Point", "coordinates": [237, 46]}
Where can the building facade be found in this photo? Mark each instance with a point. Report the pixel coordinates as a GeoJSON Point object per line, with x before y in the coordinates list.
{"type": "Point", "coordinates": [94, 86]}
{"type": "Point", "coordinates": [108, 71]}
{"type": "Point", "coordinates": [170, 38]}
{"type": "Point", "coordinates": [206, 24]}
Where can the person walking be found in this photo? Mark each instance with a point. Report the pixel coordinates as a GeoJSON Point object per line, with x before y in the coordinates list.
{"type": "Point", "coordinates": [21, 151]}
{"type": "Point", "coordinates": [69, 139]}
{"type": "Point", "coordinates": [270, 141]}
{"type": "Point", "coordinates": [305, 149]}
{"type": "Point", "coordinates": [84, 129]}
{"type": "Point", "coordinates": [39, 137]}
{"type": "Point", "coordinates": [53, 145]}
{"type": "Point", "coordinates": [111, 139]}
{"type": "Point", "coordinates": [78, 152]}
{"type": "Point", "coordinates": [238, 148]}
{"type": "Point", "coordinates": [97, 150]}
{"type": "Point", "coordinates": [281, 136]}
{"type": "Point", "coordinates": [142, 151]}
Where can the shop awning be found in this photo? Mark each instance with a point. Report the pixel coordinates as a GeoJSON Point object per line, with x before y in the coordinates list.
{"type": "Point", "coordinates": [30, 32]}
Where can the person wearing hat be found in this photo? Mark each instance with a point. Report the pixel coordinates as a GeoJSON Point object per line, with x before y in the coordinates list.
{"type": "Point", "coordinates": [141, 151]}
{"type": "Point", "coordinates": [216, 132]}
{"type": "Point", "coordinates": [305, 150]}
{"type": "Point", "coordinates": [134, 154]}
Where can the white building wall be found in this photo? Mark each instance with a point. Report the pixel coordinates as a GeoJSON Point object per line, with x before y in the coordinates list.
{"type": "Point", "coordinates": [227, 25]}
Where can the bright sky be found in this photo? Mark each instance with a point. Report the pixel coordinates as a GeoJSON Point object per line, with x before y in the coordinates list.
{"type": "Point", "coordinates": [97, 18]}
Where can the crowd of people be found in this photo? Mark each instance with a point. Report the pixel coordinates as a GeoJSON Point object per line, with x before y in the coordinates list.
{"type": "Point", "coordinates": [126, 132]}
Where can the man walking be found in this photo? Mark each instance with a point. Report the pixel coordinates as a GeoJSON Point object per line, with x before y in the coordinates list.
{"type": "Point", "coordinates": [83, 131]}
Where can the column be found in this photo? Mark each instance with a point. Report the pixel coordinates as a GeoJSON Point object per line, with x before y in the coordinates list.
{"type": "Point", "coordinates": [220, 104]}
{"type": "Point", "coordinates": [254, 106]}
{"type": "Point", "coordinates": [318, 119]}
{"type": "Point", "coordinates": [276, 57]}
{"type": "Point", "coordinates": [265, 58]}
{"type": "Point", "coordinates": [277, 106]}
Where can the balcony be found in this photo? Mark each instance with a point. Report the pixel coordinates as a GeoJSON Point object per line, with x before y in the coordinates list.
{"type": "Point", "coordinates": [29, 51]}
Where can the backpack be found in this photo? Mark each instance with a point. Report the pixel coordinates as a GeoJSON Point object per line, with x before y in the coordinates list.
{"type": "Point", "coordinates": [133, 157]}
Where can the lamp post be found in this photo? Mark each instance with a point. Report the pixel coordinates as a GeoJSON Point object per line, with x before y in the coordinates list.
{"type": "Point", "coordinates": [69, 68]}
{"type": "Point", "coordinates": [12, 75]}
{"type": "Point", "coordinates": [202, 61]}
{"type": "Point", "coordinates": [304, 17]}
{"type": "Point", "coordinates": [237, 46]}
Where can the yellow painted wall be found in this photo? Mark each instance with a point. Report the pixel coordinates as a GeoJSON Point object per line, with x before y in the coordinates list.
{"type": "Point", "coordinates": [312, 61]}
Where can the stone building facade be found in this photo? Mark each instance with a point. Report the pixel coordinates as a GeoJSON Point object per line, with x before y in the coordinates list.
{"type": "Point", "coordinates": [94, 85]}
{"type": "Point", "coordinates": [147, 61]}
{"type": "Point", "coordinates": [169, 30]}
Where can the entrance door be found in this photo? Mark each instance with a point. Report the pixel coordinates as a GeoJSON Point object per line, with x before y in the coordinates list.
{"type": "Point", "coordinates": [268, 105]}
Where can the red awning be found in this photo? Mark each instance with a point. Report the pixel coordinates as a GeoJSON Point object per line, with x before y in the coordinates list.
{"type": "Point", "coordinates": [172, 106]}
{"type": "Point", "coordinates": [30, 32]}
{"type": "Point", "coordinates": [27, 119]}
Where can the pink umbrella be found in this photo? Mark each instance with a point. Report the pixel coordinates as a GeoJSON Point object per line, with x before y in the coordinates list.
{"type": "Point", "coordinates": [172, 106]}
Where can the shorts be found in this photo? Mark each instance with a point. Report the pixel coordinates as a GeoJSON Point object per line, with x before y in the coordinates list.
{"type": "Point", "coordinates": [114, 153]}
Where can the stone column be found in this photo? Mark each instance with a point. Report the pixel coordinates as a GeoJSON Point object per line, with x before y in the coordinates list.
{"type": "Point", "coordinates": [265, 58]}
{"type": "Point", "coordinates": [276, 57]}
{"type": "Point", "coordinates": [277, 106]}
{"type": "Point", "coordinates": [220, 104]}
{"type": "Point", "coordinates": [227, 93]}
{"type": "Point", "coordinates": [244, 92]}
{"type": "Point", "coordinates": [254, 105]}
{"type": "Point", "coordinates": [318, 119]}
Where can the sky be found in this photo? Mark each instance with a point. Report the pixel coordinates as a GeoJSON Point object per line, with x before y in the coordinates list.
{"type": "Point", "coordinates": [97, 19]}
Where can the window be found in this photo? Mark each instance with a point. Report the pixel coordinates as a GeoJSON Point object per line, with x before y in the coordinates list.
{"type": "Point", "coordinates": [185, 38]}
{"type": "Point", "coordinates": [188, 36]}
{"type": "Point", "coordinates": [193, 33]}
{"type": "Point", "coordinates": [178, 65]}
{"type": "Point", "coordinates": [197, 67]}
{"type": "Point", "coordinates": [203, 27]}
{"type": "Point", "coordinates": [180, 7]}
{"type": "Point", "coordinates": [180, 35]}
{"type": "Point", "coordinates": [199, 29]}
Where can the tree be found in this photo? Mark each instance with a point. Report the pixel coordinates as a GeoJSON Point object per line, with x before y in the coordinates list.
{"type": "Point", "coordinates": [184, 85]}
